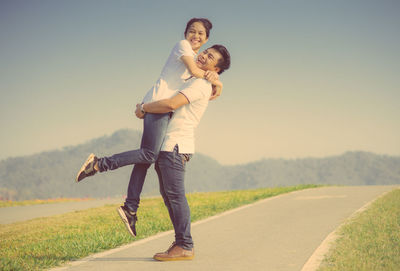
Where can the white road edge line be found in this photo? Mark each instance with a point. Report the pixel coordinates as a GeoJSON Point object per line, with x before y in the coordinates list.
{"type": "Point", "coordinates": [314, 262]}
{"type": "Point", "coordinates": [162, 234]}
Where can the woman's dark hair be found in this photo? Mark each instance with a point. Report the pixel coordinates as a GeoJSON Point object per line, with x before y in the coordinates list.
{"type": "Point", "coordinates": [206, 23]}
{"type": "Point", "coordinates": [225, 62]}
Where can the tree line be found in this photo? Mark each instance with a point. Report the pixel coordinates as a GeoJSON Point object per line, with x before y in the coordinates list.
{"type": "Point", "coordinates": [52, 174]}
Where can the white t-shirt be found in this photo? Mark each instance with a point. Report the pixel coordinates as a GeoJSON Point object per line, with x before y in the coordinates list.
{"type": "Point", "coordinates": [186, 118]}
{"type": "Point", "coordinates": [173, 74]}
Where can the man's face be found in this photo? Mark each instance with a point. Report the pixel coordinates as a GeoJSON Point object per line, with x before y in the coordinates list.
{"type": "Point", "coordinates": [208, 60]}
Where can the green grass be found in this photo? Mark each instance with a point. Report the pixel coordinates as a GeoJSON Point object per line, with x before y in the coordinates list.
{"type": "Point", "coordinates": [47, 242]}
{"type": "Point", "coordinates": [11, 203]}
{"type": "Point", "coordinates": [371, 241]}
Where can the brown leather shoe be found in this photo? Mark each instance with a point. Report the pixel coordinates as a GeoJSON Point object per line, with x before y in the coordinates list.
{"type": "Point", "coordinates": [175, 253]}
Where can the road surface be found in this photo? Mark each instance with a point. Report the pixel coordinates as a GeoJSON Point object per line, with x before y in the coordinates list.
{"type": "Point", "coordinates": [279, 233]}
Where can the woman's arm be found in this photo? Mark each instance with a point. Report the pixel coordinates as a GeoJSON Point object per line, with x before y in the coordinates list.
{"type": "Point", "coordinates": [210, 76]}
{"type": "Point", "coordinates": [192, 67]}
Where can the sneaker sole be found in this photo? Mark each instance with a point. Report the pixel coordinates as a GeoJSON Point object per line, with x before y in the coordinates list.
{"type": "Point", "coordinates": [125, 220]}
{"type": "Point", "coordinates": [91, 157]}
{"type": "Point", "coordinates": [173, 259]}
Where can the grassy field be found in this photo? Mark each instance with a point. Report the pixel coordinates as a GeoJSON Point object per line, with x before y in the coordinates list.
{"type": "Point", "coordinates": [46, 242]}
{"type": "Point", "coordinates": [11, 203]}
{"type": "Point", "coordinates": [371, 241]}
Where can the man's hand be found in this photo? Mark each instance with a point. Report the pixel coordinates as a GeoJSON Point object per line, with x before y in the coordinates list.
{"type": "Point", "coordinates": [211, 76]}
{"type": "Point", "coordinates": [139, 112]}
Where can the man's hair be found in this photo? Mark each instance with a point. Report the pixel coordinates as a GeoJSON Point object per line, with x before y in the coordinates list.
{"type": "Point", "coordinates": [225, 62]}
{"type": "Point", "coordinates": [206, 23]}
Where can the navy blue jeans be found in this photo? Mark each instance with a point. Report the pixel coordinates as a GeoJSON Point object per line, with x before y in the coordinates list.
{"type": "Point", "coordinates": [154, 128]}
{"type": "Point", "coordinates": [170, 167]}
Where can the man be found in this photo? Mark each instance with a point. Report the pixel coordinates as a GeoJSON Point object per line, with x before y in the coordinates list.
{"type": "Point", "coordinates": [188, 105]}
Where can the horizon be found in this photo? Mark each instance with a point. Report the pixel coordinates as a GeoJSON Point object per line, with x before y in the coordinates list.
{"type": "Point", "coordinates": [312, 79]}
{"type": "Point", "coordinates": [66, 147]}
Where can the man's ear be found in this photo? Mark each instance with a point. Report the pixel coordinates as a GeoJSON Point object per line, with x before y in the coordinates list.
{"type": "Point", "coordinates": [217, 69]}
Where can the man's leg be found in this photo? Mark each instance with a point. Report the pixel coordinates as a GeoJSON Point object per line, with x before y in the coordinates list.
{"type": "Point", "coordinates": [162, 192]}
{"type": "Point", "coordinates": [172, 168]}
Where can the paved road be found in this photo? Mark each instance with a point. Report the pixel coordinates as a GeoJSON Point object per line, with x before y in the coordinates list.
{"type": "Point", "coordinates": [280, 233]}
{"type": "Point", "coordinates": [22, 213]}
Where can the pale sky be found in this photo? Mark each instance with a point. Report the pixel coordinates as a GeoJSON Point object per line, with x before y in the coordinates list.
{"type": "Point", "coordinates": [308, 78]}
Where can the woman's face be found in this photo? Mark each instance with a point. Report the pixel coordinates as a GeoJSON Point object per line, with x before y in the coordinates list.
{"type": "Point", "coordinates": [196, 35]}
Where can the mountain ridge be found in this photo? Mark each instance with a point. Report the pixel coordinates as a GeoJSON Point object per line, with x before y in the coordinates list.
{"type": "Point", "coordinates": [51, 174]}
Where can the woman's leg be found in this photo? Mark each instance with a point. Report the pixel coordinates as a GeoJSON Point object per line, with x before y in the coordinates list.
{"type": "Point", "coordinates": [155, 126]}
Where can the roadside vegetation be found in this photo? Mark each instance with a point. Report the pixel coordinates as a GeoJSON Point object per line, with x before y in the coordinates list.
{"type": "Point", "coordinates": [371, 241]}
{"type": "Point", "coordinates": [47, 242]}
{"type": "Point", "coordinates": [12, 203]}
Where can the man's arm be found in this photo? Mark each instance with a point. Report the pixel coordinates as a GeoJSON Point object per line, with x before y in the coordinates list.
{"type": "Point", "coordinates": [162, 106]}
{"type": "Point", "coordinates": [166, 105]}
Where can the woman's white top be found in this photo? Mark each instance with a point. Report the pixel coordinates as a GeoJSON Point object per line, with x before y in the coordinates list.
{"type": "Point", "coordinates": [173, 75]}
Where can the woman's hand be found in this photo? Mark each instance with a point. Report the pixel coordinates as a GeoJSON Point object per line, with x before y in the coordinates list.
{"type": "Point", "coordinates": [216, 90]}
{"type": "Point", "coordinates": [211, 76]}
{"type": "Point", "coordinates": [139, 114]}
{"type": "Point", "coordinates": [215, 94]}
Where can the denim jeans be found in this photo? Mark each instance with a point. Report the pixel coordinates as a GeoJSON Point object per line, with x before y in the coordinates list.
{"type": "Point", "coordinates": [170, 168]}
{"type": "Point", "coordinates": [154, 128]}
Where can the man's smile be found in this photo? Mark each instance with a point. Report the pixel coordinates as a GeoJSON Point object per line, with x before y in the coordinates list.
{"type": "Point", "coordinates": [201, 60]}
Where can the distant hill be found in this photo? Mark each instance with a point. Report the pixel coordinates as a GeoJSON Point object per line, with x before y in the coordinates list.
{"type": "Point", "coordinates": [52, 174]}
